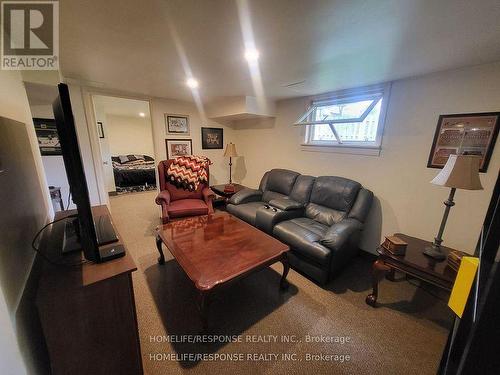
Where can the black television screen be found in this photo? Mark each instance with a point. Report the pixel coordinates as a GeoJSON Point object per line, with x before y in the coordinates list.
{"type": "Point", "coordinates": [87, 232]}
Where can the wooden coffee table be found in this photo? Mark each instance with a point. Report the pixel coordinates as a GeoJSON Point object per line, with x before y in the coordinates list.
{"type": "Point", "coordinates": [216, 250]}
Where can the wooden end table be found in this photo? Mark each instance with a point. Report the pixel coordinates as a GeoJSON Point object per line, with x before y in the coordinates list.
{"type": "Point", "coordinates": [224, 195]}
{"type": "Point", "coordinates": [216, 250]}
{"type": "Point", "coordinates": [219, 190]}
{"type": "Point", "coordinates": [413, 263]}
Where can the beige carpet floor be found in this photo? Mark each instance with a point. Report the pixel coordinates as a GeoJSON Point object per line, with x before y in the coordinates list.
{"type": "Point", "coordinates": [404, 335]}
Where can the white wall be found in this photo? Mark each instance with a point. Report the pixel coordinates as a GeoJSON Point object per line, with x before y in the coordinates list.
{"type": "Point", "coordinates": [219, 170]}
{"type": "Point", "coordinates": [53, 165]}
{"type": "Point", "coordinates": [25, 208]}
{"type": "Point", "coordinates": [406, 201]}
{"type": "Point", "coordinates": [129, 135]}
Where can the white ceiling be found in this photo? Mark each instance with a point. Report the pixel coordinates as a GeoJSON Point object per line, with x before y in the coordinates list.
{"type": "Point", "coordinates": [128, 45]}
{"type": "Point", "coordinates": [41, 94]}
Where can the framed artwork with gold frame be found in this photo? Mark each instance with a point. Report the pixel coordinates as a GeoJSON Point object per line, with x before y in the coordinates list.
{"type": "Point", "coordinates": [468, 134]}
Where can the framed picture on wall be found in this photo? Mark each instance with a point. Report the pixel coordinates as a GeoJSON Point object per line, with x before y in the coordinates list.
{"type": "Point", "coordinates": [212, 138]}
{"type": "Point", "coordinates": [100, 129]}
{"type": "Point", "coordinates": [468, 134]}
{"type": "Point", "coordinates": [48, 139]}
{"type": "Point", "coordinates": [177, 124]}
{"type": "Point", "coordinates": [178, 147]}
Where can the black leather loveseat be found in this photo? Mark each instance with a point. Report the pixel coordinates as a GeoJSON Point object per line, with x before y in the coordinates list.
{"type": "Point", "coordinates": [320, 218]}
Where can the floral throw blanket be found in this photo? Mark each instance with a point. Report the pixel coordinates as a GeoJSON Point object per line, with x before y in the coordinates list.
{"type": "Point", "coordinates": [187, 172]}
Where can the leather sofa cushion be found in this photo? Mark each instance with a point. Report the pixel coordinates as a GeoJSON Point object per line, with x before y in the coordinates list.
{"type": "Point", "coordinates": [337, 193]}
{"type": "Point", "coordinates": [281, 181]}
{"type": "Point", "coordinates": [303, 236]}
{"type": "Point", "coordinates": [302, 189]}
{"type": "Point", "coordinates": [176, 193]}
{"type": "Point", "coordinates": [187, 207]}
{"type": "Point", "coordinates": [263, 181]}
{"type": "Point", "coordinates": [324, 215]}
{"type": "Point", "coordinates": [245, 211]}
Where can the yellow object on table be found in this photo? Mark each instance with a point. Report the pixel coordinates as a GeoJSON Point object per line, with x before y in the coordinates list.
{"type": "Point", "coordinates": [463, 284]}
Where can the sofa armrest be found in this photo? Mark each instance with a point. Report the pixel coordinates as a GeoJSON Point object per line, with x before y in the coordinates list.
{"type": "Point", "coordinates": [208, 197]}
{"type": "Point", "coordinates": [208, 194]}
{"type": "Point", "coordinates": [362, 205]}
{"type": "Point", "coordinates": [245, 196]}
{"type": "Point", "coordinates": [163, 197]}
{"type": "Point", "coordinates": [286, 204]}
{"type": "Point", "coordinates": [339, 235]}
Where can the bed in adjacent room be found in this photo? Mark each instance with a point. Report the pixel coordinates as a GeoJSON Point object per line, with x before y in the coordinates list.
{"type": "Point", "coordinates": [134, 173]}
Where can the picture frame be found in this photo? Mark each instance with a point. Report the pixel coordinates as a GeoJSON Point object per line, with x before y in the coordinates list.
{"type": "Point", "coordinates": [177, 124]}
{"type": "Point", "coordinates": [100, 129]}
{"type": "Point", "coordinates": [212, 138]}
{"type": "Point", "coordinates": [48, 138]}
{"type": "Point", "coordinates": [178, 147]}
{"type": "Point", "coordinates": [467, 133]}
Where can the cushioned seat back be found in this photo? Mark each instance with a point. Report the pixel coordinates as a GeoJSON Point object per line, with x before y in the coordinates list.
{"type": "Point", "coordinates": [301, 191]}
{"type": "Point", "coordinates": [331, 199]}
{"type": "Point", "coordinates": [277, 183]}
{"type": "Point", "coordinates": [176, 193]}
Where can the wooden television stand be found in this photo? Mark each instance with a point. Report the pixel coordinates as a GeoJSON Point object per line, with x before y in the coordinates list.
{"type": "Point", "coordinates": [87, 312]}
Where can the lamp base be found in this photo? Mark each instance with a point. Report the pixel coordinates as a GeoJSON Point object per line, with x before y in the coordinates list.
{"type": "Point", "coordinates": [435, 252]}
{"type": "Point", "coordinates": [229, 188]}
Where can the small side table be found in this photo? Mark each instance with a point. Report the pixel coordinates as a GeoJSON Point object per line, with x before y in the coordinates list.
{"type": "Point", "coordinates": [219, 190]}
{"type": "Point", "coordinates": [413, 263]}
{"type": "Point", "coordinates": [225, 195]}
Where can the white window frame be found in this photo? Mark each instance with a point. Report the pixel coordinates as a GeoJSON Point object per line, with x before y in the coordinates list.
{"type": "Point", "coordinates": [374, 92]}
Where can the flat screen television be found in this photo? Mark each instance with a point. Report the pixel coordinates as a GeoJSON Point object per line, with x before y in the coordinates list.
{"type": "Point", "coordinates": [87, 232]}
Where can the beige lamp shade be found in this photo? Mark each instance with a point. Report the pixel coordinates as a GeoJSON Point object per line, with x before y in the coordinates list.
{"type": "Point", "coordinates": [460, 172]}
{"type": "Point", "coordinates": [230, 151]}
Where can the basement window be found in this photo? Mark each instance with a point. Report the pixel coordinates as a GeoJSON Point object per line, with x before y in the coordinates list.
{"type": "Point", "coordinates": [352, 120]}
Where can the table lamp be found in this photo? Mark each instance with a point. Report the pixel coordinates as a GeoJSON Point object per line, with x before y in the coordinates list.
{"type": "Point", "coordinates": [231, 153]}
{"type": "Point", "coordinates": [459, 172]}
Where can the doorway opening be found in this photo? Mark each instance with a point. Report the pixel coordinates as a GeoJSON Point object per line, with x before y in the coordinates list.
{"type": "Point", "coordinates": [40, 99]}
{"type": "Point", "coordinates": [126, 144]}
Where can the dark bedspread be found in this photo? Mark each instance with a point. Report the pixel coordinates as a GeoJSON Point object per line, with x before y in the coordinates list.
{"type": "Point", "coordinates": [134, 174]}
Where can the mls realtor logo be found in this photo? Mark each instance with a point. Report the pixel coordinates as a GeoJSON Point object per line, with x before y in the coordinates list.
{"type": "Point", "coordinates": [30, 35]}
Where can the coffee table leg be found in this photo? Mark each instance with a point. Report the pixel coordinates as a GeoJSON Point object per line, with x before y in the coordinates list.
{"type": "Point", "coordinates": [379, 270]}
{"type": "Point", "coordinates": [286, 267]}
{"type": "Point", "coordinates": [203, 306]}
{"type": "Point", "coordinates": [161, 259]}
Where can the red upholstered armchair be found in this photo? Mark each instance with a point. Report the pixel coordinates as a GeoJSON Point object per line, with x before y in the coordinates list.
{"type": "Point", "coordinates": [177, 202]}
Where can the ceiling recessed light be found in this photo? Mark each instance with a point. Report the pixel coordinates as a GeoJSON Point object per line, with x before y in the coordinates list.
{"type": "Point", "coordinates": [142, 114]}
{"type": "Point", "coordinates": [192, 83]}
{"type": "Point", "coordinates": [251, 54]}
